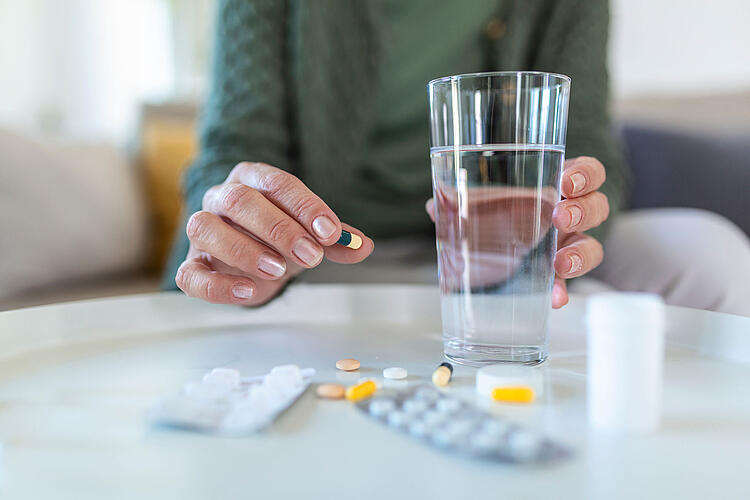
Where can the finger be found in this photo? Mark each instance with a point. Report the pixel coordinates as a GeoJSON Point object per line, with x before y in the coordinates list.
{"type": "Point", "coordinates": [210, 234]}
{"type": "Point", "coordinates": [253, 212]}
{"type": "Point", "coordinates": [581, 176]}
{"type": "Point", "coordinates": [429, 206]}
{"type": "Point", "coordinates": [581, 214]}
{"type": "Point", "coordinates": [559, 293]}
{"type": "Point", "coordinates": [581, 254]}
{"type": "Point", "coordinates": [344, 255]}
{"type": "Point", "coordinates": [291, 195]}
{"type": "Point", "coordinates": [196, 279]}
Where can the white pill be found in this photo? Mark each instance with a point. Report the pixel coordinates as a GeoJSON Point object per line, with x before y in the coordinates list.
{"type": "Point", "coordinates": [484, 442]}
{"type": "Point", "coordinates": [395, 373]}
{"type": "Point", "coordinates": [433, 418]}
{"type": "Point", "coordinates": [461, 427]}
{"type": "Point", "coordinates": [495, 428]}
{"type": "Point", "coordinates": [427, 394]}
{"type": "Point", "coordinates": [380, 407]}
{"type": "Point", "coordinates": [398, 419]}
{"type": "Point", "coordinates": [222, 377]}
{"type": "Point", "coordinates": [446, 405]}
{"type": "Point", "coordinates": [292, 370]}
{"type": "Point", "coordinates": [418, 428]}
{"type": "Point", "coordinates": [413, 406]}
{"type": "Point", "coordinates": [443, 438]}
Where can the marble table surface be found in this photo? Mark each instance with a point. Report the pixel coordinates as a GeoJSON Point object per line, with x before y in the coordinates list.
{"type": "Point", "coordinates": [76, 380]}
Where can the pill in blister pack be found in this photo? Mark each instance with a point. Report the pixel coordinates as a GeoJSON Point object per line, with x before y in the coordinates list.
{"type": "Point", "coordinates": [451, 424]}
{"type": "Point", "coordinates": [226, 403]}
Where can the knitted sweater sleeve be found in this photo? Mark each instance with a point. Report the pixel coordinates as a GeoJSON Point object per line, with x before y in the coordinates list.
{"type": "Point", "coordinates": [574, 42]}
{"type": "Point", "coordinates": [245, 115]}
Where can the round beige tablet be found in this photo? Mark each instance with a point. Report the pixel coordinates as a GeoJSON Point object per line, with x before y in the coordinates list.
{"type": "Point", "coordinates": [347, 364]}
{"type": "Point", "coordinates": [331, 391]}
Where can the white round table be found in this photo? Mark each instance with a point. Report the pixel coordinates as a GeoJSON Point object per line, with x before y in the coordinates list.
{"type": "Point", "coordinates": [76, 380]}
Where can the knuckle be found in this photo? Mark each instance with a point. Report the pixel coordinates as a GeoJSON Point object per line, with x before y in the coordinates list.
{"type": "Point", "coordinates": [238, 250]}
{"type": "Point", "coordinates": [208, 195]}
{"type": "Point", "coordinates": [181, 278]}
{"type": "Point", "coordinates": [240, 168]}
{"type": "Point", "coordinates": [305, 205]}
{"type": "Point", "coordinates": [211, 291]}
{"type": "Point", "coordinates": [233, 196]}
{"type": "Point", "coordinates": [277, 182]}
{"type": "Point", "coordinates": [197, 224]}
{"type": "Point", "coordinates": [279, 230]}
{"type": "Point", "coordinates": [589, 162]}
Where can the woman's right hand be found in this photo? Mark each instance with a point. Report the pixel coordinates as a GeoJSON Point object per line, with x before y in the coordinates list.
{"type": "Point", "coordinates": [258, 229]}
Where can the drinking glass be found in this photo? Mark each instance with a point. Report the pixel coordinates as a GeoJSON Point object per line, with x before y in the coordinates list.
{"type": "Point", "coordinates": [497, 147]}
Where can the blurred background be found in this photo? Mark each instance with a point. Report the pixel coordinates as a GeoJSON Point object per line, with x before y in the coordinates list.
{"type": "Point", "coordinates": [99, 98]}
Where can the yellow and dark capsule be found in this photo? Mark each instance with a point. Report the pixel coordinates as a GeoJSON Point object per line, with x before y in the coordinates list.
{"type": "Point", "coordinates": [350, 240]}
{"type": "Point", "coordinates": [442, 375]}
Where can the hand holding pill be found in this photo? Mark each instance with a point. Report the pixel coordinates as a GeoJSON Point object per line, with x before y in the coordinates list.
{"type": "Point", "coordinates": [258, 229]}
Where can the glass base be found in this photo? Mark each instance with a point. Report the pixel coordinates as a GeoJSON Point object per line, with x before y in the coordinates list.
{"type": "Point", "coordinates": [480, 355]}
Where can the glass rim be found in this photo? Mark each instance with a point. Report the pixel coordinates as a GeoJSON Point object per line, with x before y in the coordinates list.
{"type": "Point", "coordinates": [450, 78]}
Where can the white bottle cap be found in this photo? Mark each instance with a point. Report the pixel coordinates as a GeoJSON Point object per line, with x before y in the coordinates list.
{"type": "Point", "coordinates": [625, 361]}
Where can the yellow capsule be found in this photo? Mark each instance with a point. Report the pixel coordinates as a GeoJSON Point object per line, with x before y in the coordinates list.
{"type": "Point", "coordinates": [513, 394]}
{"type": "Point", "coordinates": [360, 391]}
{"type": "Point", "coordinates": [442, 375]}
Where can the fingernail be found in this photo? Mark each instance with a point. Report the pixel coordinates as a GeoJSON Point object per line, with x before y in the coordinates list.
{"type": "Point", "coordinates": [242, 291]}
{"type": "Point", "coordinates": [307, 251]}
{"type": "Point", "coordinates": [576, 263]}
{"type": "Point", "coordinates": [270, 264]}
{"type": "Point", "coordinates": [323, 227]}
{"type": "Point", "coordinates": [579, 182]}
{"type": "Point", "coordinates": [575, 215]}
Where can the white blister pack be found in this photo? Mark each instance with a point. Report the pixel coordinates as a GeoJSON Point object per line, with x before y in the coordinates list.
{"type": "Point", "coordinates": [226, 403]}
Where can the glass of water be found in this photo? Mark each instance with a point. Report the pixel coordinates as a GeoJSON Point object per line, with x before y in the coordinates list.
{"type": "Point", "coordinates": [497, 148]}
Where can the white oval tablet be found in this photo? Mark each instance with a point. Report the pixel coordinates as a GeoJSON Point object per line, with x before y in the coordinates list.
{"type": "Point", "coordinates": [395, 373]}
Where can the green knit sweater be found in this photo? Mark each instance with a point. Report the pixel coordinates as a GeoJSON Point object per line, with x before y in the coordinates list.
{"type": "Point", "coordinates": [300, 85]}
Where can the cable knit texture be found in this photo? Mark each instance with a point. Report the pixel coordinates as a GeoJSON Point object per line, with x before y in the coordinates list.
{"type": "Point", "coordinates": [295, 85]}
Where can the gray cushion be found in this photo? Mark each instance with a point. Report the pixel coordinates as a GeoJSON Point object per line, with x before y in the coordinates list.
{"type": "Point", "coordinates": [682, 169]}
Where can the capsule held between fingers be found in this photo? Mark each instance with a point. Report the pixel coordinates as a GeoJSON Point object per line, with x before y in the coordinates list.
{"type": "Point", "coordinates": [350, 240]}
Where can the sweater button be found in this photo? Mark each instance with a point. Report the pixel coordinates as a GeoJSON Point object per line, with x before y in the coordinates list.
{"type": "Point", "coordinates": [495, 29]}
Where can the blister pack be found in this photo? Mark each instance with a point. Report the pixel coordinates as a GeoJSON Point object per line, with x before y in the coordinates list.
{"type": "Point", "coordinates": [226, 403]}
{"type": "Point", "coordinates": [451, 424]}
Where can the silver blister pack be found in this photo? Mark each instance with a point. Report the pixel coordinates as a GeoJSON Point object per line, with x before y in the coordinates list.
{"type": "Point", "coordinates": [451, 424]}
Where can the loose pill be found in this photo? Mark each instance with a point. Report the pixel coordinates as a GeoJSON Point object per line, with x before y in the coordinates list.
{"type": "Point", "coordinates": [347, 364]}
{"type": "Point", "coordinates": [513, 394]}
{"type": "Point", "coordinates": [395, 373]}
{"type": "Point", "coordinates": [360, 391]}
{"type": "Point", "coordinates": [331, 391]}
{"type": "Point", "coordinates": [442, 375]}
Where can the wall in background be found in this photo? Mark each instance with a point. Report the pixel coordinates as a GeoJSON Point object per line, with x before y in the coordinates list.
{"type": "Point", "coordinates": [680, 46]}
{"type": "Point", "coordinates": [83, 67]}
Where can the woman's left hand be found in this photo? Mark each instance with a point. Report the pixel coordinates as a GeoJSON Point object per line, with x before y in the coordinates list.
{"type": "Point", "coordinates": [582, 208]}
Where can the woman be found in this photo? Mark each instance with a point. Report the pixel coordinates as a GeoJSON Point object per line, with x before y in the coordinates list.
{"type": "Point", "coordinates": [318, 115]}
